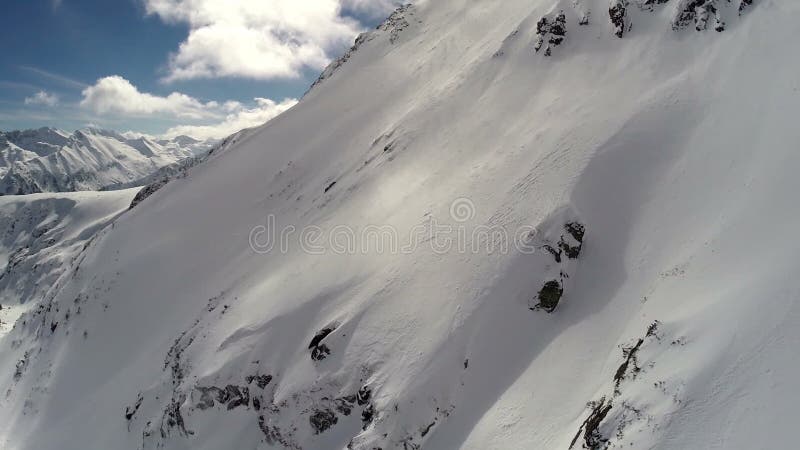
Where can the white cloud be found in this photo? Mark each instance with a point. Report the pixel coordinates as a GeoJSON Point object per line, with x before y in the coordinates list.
{"type": "Point", "coordinates": [374, 9]}
{"type": "Point", "coordinates": [114, 95]}
{"type": "Point", "coordinates": [42, 98]}
{"type": "Point", "coordinates": [261, 39]}
{"type": "Point", "coordinates": [241, 118]}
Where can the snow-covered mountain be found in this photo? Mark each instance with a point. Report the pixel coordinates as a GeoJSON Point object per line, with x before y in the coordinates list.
{"type": "Point", "coordinates": [42, 236]}
{"type": "Point", "coordinates": [50, 160]}
{"type": "Point", "coordinates": [588, 245]}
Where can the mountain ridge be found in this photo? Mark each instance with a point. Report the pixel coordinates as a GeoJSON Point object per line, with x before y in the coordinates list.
{"type": "Point", "coordinates": [51, 160]}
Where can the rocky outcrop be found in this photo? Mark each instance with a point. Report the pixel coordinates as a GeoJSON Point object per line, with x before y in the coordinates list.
{"type": "Point", "coordinates": [319, 350]}
{"type": "Point", "coordinates": [551, 30]}
{"type": "Point", "coordinates": [569, 246]}
{"type": "Point", "coordinates": [617, 12]}
{"type": "Point", "coordinates": [596, 431]}
{"type": "Point", "coordinates": [393, 26]}
{"type": "Point", "coordinates": [699, 13]}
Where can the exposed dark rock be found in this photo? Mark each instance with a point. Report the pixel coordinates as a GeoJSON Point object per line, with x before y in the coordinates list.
{"type": "Point", "coordinates": [273, 436]}
{"type": "Point", "coordinates": [367, 416]}
{"type": "Point", "coordinates": [627, 413]}
{"type": "Point", "coordinates": [322, 420]}
{"type": "Point", "coordinates": [238, 396]}
{"type": "Point", "coordinates": [630, 360]}
{"type": "Point", "coordinates": [262, 424]}
{"type": "Point", "coordinates": [571, 251]}
{"type": "Point", "coordinates": [542, 26]}
{"type": "Point", "coordinates": [617, 12]}
{"type": "Point", "coordinates": [652, 330]}
{"type": "Point", "coordinates": [397, 22]}
{"type": "Point", "coordinates": [320, 351]}
{"type": "Point", "coordinates": [22, 364]}
{"type": "Point", "coordinates": [335, 65]}
{"type": "Point", "coordinates": [232, 396]}
{"type": "Point", "coordinates": [553, 251]}
{"type": "Point", "coordinates": [173, 360]}
{"type": "Point", "coordinates": [570, 244]}
{"type": "Point", "coordinates": [576, 230]}
{"type": "Point", "coordinates": [208, 395]}
{"type": "Point", "coordinates": [173, 418]}
{"type": "Point", "coordinates": [409, 444]}
{"type": "Point", "coordinates": [206, 400]}
{"type": "Point", "coordinates": [558, 29]}
{"type": "Point", "coordinates": [549, 295]}
{"type": "Point", "coordinates": [344, 405]}
{"type": "Point", "coordinates": [592, 438]}
{"type": "Point", "coordinates": [654, 2]}
{"type": "Point", "coordinates": [631, 363]}
{"type": "Point", "coordinates": [147, 191]}
{"type": "Point", "coordinates": [699, 12]}
{"type": "Point", "coordinates": [363, 395]}
{"type": "Point", "coordinates": [394, 25]}
{"type": "Point", "coordinates": [261, 380]}
{"type": "Point", "coordinates": [147, 431]}
{"type": "Point", "coordinates": [39, 232]}
{"type": "Point", "coordinates": [551, 30]}
{"type": "Point", "coordinates": [427, 429]}
{"type": "Point", "coordinates": [130, 411]}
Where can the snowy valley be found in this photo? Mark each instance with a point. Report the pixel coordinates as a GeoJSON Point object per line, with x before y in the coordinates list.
{"type": "Point", "coordinates": [497, 224]}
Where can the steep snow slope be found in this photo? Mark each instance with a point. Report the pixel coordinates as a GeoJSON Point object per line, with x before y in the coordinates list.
{"type": "Point", "coordinates": [180, 169]}
{"type": "Point", "coordinates": [675, 148]}
{"type": "Point", "coordinates": [41, 235]}
{"type": "Point", "coordinates": [42, 141]}
{"type": "Point", "coordinates": [48, 160]}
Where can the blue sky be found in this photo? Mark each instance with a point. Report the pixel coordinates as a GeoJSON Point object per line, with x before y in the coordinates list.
{"type": "Point", "coordinates": [203, 67]}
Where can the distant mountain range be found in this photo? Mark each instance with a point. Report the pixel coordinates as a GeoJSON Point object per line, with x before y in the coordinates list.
{"type": "Point", "coordinates": [52, 160]}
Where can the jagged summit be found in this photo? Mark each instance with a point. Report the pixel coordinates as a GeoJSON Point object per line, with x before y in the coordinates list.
{"type": "Point", "coordinates": [561, 15]}
{"type": "Point", "coordinates": [51, 160]}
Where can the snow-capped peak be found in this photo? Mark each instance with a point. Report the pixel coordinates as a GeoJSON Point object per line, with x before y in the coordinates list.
{"type": "Point", "coordinates": [51, 160]}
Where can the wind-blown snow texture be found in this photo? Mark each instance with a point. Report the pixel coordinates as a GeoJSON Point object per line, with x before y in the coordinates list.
{"type": "Point", "coordinates": [675, 326]}
{"type": "Point", "coordinates": [50, 160]}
